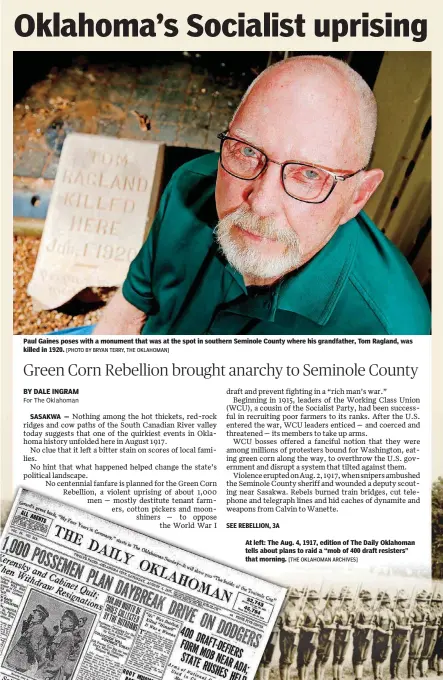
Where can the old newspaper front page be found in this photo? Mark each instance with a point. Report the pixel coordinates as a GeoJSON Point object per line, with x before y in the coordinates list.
{"type": "Point", "coordinates": [218, 419]}
{"type": "Point", "coordinates": [83, 596]}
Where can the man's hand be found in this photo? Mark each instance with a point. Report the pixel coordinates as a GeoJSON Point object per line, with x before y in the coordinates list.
{"type": "Point", "coordinates": [290, 629]}
{"type": "Point", "coordinates": [120, 318]}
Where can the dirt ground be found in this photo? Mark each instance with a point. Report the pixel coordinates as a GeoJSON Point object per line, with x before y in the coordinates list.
{"type": "Point", "coordinates": [27, 321]}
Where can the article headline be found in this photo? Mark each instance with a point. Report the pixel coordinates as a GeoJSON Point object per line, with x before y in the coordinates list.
{"type": "Point", "coordinates": [267, 25]}
{"type": "Point", "coordinates": [71, 568]}
{"type": "Point", "coordinates": [145, 370]}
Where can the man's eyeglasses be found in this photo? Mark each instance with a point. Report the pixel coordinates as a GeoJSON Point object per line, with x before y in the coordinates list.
{"type": "Point", "coordinates": [304, 182]}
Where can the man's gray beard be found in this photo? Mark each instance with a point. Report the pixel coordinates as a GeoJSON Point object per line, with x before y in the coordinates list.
{"type": "Point", "coordinates": [247, 259]}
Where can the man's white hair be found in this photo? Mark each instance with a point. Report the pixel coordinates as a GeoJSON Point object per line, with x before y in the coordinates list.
{"type": "Point", "coordinates": [367, 105]}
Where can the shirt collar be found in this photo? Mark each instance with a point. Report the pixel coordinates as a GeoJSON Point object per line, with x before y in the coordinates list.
{"type": "Point", "coordinates": [313, 290]}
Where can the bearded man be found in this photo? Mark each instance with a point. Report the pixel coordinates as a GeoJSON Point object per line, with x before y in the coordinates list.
{"type": "Point", "coordinates": [269, 237]}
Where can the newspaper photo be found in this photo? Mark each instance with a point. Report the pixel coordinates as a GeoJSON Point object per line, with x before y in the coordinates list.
{"type": "Point", "coordinates": [355, 629]}
{"type": "Point", "coordinates": [221, 385]}
{"type": "Point", "coordinates": [84, 598]}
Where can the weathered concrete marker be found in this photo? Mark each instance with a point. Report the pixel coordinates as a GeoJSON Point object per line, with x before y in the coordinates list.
{"type": "Point", "coordinates": [104, 199]}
